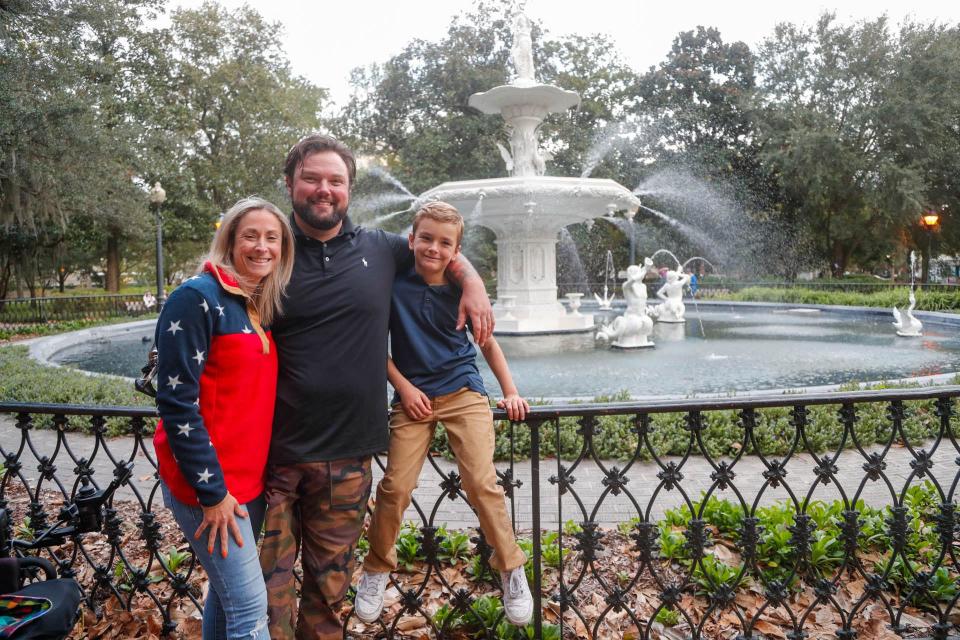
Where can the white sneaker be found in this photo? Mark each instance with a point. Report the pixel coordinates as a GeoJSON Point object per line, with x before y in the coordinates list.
{"type": "Point", "coordinates": [517, 601]}
{"type": "Point", "coordinates": [369, 601]}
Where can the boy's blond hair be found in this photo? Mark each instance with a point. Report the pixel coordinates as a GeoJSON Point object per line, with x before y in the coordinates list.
{"type": "Point", "coordinates": [439, 211]}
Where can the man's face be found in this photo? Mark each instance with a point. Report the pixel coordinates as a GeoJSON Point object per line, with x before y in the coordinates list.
{"type": "Point", "coordinates": [320, 191]}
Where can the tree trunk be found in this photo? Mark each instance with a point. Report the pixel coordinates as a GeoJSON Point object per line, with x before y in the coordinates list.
{"type": "Point", "coordinates": [924, 265]}
{"type": "Point", "coordinates": [5, 274]}
{"type": "Point", "coordinates": [112, 277]}
{"type": "Point", "coordinates": [838, 259]}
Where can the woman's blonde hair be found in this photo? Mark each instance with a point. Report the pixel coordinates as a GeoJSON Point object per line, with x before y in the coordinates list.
{"type": "Point", "coordinates": [268, 294]}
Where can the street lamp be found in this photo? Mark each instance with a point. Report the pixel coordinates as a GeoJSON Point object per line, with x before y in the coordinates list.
{"type": "Point", "coordinates": [157, 197]}
{"type": "Point", "coordinates": [929, 220]}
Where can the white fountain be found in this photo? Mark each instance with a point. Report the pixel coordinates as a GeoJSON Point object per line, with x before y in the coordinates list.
{"type": "Point", "coordinates": [527, 210]}
{"type": "Point", "coordinates": [904, 322]}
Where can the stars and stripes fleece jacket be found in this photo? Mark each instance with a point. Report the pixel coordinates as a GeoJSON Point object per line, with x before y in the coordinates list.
{"type": "Point", "coordinates": [216, 386]}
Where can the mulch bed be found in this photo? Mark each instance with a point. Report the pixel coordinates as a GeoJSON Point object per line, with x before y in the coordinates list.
{"type": "Point", "coordinates": [136, 615]}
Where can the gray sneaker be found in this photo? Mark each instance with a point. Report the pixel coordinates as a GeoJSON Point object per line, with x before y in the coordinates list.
{"type": "Point", "coordinates": [369, 601]}
{"type": "Point", "coordinates": [517, 601]}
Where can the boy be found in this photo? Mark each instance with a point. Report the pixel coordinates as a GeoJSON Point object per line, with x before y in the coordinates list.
{"type": "Point", "coordinates": [434, 373]}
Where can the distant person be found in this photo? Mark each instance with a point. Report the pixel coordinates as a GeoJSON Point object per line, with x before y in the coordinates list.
{"type": "Point", "coordinates": [217, 377]}
{"type": "Point", "coordinates": [694, 286]}
{"type": "Point", "coordinates": [434, 372]}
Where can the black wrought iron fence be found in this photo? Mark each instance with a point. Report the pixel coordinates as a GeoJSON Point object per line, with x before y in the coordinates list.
{"type": "Point", "coordinates": [20, 311]}
{"type": "Point", "coordinates": [791, 516]}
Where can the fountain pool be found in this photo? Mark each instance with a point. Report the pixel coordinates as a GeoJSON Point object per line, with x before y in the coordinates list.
{"type": "Point", "coordinates": [747, 348]}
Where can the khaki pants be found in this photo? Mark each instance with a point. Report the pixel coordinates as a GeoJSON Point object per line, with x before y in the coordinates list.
{"type": "Point", "coordinates": [468, 420]}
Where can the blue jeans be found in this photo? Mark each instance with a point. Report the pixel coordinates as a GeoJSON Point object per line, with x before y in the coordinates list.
{"type": "Point", "coordinates": [236, 605]}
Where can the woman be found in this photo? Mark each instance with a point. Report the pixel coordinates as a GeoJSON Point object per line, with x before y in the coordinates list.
{"type": "Point", "coordinates": [216, 381]}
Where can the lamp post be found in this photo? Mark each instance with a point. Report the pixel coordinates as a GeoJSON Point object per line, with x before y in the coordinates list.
{"type": "Point", "coordinates": [157, 197]}
{"type": "Point", "coordinates": [929, 220]}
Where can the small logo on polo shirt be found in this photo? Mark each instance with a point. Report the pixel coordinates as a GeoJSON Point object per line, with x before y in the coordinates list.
{"type": "Point", "coordinates": [364, 261]}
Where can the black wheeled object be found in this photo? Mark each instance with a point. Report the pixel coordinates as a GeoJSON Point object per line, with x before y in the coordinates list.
{"type": "Point", "coordinates": [47, 609]}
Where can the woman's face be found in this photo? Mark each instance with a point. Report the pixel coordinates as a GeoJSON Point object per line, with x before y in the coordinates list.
{"type": "Point", "coordinates": [257, 245]}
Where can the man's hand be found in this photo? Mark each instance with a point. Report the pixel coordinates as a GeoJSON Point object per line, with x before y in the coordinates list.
{"type": "Point", "coordinates": [220, 520]}
{"type": "Point", "coordinates": [475, 304]}
{"type": "Point", "coordinates": [517, 408]}
{"type": "Point", "coordinates": [415, 403]}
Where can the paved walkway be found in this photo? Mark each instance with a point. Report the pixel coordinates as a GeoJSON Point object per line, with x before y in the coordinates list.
{"type": "Point", "coordinates": [586, 500]}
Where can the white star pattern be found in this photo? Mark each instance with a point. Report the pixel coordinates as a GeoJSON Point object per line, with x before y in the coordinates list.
{"type": "Point", "coordinates": [205, 475]}
{"type": "Point", "coordinates": [247, 329]}
{"type": "Point", "coordinates": [174, 327]}
{"type": "Point", "coordinates": [206, 307]}
{"type": "Point", "coordinates": [173, 381]}
{"type": "Point", "coordinates": [220, 309]}
{"type": "Point", "coordinates": [184, 429]}
{"type": "Point", "coordinates": [197, 402]}
{"type": "Point", "coordinates": [364, 261]}
{"type": "Point", "coordinates": [196, 277]}
{"type": "Point", "coordinates": [198, 357]}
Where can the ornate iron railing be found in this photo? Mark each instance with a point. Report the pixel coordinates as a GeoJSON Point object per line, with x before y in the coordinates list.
{"type": "Point", "coordinates": [790, 516]}
{"type": "Point", "coordinates": [21, 311]}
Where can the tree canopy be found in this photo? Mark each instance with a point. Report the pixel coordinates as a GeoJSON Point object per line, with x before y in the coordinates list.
{"type": "Point", "coordinates": [817, 149]}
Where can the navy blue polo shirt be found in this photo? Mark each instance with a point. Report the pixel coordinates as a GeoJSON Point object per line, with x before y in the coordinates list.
{"type": "Point", "coordinates": [332, 346]}
{"type": "Point", "coordinates": [424, 342]}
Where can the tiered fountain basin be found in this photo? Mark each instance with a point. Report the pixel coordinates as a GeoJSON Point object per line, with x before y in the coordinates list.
{"type": "Point", "coordinates": [526, 213]}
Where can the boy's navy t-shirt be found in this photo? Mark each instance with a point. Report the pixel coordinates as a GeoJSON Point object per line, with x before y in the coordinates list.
{"type": "Point", "coordinates": [424, 342]}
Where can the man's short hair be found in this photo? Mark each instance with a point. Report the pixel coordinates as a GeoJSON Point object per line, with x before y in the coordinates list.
{"type": "Point", "coordinates": [439, 211]}
{"type": "Point", "coordinates": [318, 143]}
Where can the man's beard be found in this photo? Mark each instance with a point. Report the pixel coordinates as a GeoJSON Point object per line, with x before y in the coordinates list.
{"type": "Point", "coordinates": [306, 213]}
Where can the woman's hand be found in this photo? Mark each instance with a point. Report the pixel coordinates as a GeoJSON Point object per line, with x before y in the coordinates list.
{"type": "Point", "coordinates": [221, 521]}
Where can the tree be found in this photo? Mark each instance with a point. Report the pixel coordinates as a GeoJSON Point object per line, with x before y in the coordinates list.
{"type": "Point", "coordinates": [701, 100]}
{"type": "Point", "coordinates": [825, 135]}
{"type": "Point", "coordinates": [921, 113]}
{"type": "Point", "coordinates": [68, 133]}
{"type": "Point", "coordinates": [227, 108]}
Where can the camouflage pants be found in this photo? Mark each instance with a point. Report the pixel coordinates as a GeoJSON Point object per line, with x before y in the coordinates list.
{"type": "Point", "coordinates": [316, 507]}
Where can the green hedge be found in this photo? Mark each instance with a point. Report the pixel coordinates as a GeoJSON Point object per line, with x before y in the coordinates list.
{"type": "Point", "coordinates": [51, 328]}
{"type": "Point", "coordinates": [926, 300]}
{"type": "Point", "coordinates": [615, 437]}
{"type": "Point", "coordinates": [26, 380]}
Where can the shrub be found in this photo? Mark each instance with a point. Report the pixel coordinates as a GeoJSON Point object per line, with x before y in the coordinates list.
{"type": "Point", "coordinates": [25, 380]}
{"type": "Point", "coordinates": [926, 300]}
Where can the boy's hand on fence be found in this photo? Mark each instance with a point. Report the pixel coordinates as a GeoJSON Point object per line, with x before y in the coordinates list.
{"type": "Point", "coordinates": [221, 521]}
{"type": "Point", "coordinates": [516, 407]}
{"type": "Point", "coordinates": [415, 403]}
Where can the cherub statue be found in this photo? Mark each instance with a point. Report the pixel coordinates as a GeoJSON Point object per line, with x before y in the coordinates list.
{"type": "Point", "coordinates": [672, 308]}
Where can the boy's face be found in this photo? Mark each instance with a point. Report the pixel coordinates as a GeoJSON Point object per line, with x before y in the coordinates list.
{"type": "Point", "coordinates": [434, 245]}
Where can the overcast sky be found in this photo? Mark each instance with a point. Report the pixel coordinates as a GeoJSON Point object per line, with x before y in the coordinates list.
{"type": "Point", "coordinates": [325, 39]}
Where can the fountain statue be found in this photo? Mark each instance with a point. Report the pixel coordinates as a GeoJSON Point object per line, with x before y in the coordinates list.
{"type": "Point", "coordinates": [527, 210]}
{"type": "Point", "coordinates": [606, 302]}
{"type": "Point", "coordinates": [672, 308]}
{"type": "Point", "coordinates": [904, 322]}
{"type": "Point", "coordinates": [632, 330]}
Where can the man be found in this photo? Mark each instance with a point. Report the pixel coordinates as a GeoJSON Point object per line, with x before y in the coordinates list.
{"type": "Point", "coordinates": [331, 411]}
